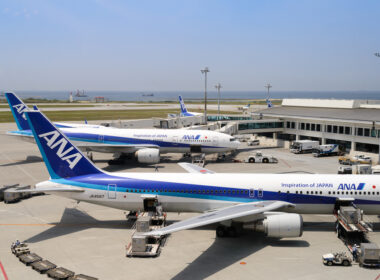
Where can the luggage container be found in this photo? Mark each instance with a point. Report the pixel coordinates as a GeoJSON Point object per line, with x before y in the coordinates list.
{"type": "Point", "coordinates": [3, 189]}
{"type": "Point", "coordinates": [350, 215]}
{"type": "Point", "coordinates": [143, 223]}
{"type": "Point", "coordinates": [29, 258]}
{"type": "Point", "coordinates": [43, 266]}
{"type": "Point", "coordinates": [60, 273]}
{"type": "Point", "coordinates": [10, 196]}
{"type": "Point", "coordinates": [139, 247]}
{"type": "Point", "coordinates": [369, 254]}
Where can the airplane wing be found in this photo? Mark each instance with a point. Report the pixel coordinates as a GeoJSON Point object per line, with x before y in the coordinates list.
{"type": "Point", "coordinates": [22, 133]}
{"type": "Point", "coordinates": [192, 168]}
{"type": "Point", "coordinates": [224, 214]}
{"type": "Point", "coordinates": [47, 189]}
{"type": "Point", "coordinates": [25, 135]}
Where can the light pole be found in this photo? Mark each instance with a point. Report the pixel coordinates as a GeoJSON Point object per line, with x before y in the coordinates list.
{"type": "Point", "coordinates": [268, 86]}
{"type": "Point", "coordinates": [218, 86]}
{"type": "Point", "coordinates": [205, 71]}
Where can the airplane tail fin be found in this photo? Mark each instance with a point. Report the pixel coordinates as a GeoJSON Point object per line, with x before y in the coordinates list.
{"type": "Point", "coordinates": [182, 104]}
{"type": "Point", "coordinates": [62, 158]}
{"type": "Point", "coordinates": [18, 109]}
{"type": "Point", "coordinates": [269, 103]}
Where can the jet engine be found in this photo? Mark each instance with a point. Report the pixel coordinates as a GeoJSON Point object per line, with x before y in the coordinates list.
{"type": "Point", "coordinates": [281, 225]}
{"type": "Point", "coordinates": [148, 155]}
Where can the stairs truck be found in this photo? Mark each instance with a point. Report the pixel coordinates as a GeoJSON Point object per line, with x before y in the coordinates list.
{"type": "Point", "coordinates": [327, 150]}
{"type": "Point", "coordinates": [303, 146]}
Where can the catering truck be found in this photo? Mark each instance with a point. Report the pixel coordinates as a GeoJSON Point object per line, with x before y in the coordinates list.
{"type": "Point", "coordinates": [303, 146]}
{"type": "Point", "coordinates": [327, 150]}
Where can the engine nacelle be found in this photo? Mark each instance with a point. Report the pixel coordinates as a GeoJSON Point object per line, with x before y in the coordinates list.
{"type": "Point", "coordinates": [283, 225]}
{"type": "Point", "coordinates": [148, 155]}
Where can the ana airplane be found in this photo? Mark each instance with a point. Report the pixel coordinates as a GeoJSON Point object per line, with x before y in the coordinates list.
{"type": "Point", "coordinates": [265, 202]}
{"type": "Point", "coordinates": [145, 144]}
{"type": "Point", "coordinates": [246, 107]}
{"type": "Point", "coordinates": [184, 112]}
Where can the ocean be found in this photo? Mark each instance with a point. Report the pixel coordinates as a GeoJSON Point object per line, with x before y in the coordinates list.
{"type": "Point", "coordinates": [196, 95]}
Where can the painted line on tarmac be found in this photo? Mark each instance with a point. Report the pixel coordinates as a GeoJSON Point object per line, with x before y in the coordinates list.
{"type": "Point", "coordinates": [286, 163]}
{"type": "Point", "coordinates": [3, 271]}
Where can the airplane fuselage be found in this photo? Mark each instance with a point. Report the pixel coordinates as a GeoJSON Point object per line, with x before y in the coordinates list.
{"type": "Point", "coordinates": [113, 140]}
{"type": "Point", "coordinates": [189, 192]}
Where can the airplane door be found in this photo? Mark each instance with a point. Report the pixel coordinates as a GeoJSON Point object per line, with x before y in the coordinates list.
{"type": "Point", "coordinates": [112, 191]}
{"type": "Point", "coordinates": [251, 193]}
{"type": "Point", "coordinates": [260, 193]}
{"type": "Point", "coordinates": [101, 138]}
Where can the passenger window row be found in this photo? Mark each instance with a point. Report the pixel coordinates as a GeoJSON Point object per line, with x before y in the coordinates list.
{"type": "Point", "coordinates": [336, 192]}
{"type": "Point", "coordinates": [189, 191]}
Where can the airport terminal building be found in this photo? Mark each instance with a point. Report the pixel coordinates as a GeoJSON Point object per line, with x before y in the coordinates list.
{"type": "Point", "coordinates": [355, 124]}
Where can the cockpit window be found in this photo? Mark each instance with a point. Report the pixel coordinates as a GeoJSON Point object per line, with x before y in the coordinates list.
{"type": "Point", "coordinates": [232, 139]}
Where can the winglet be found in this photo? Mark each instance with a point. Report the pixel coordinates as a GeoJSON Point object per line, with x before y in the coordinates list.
{"type": "Point", "coordinates": [62, 158]}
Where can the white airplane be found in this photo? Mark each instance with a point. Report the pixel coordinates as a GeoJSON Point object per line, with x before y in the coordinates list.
{"type": "Point", "coordinates": [246, 107]}
{"type": "Point", "coordinates": [145, 144]}
{"type": "Point", "coordinates": [184, 112]}
{"type": "Point", "coordinates": [271, 203]}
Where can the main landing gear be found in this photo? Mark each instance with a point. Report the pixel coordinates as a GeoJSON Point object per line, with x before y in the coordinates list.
{"type": "Point", "coordinates": [223, 231]}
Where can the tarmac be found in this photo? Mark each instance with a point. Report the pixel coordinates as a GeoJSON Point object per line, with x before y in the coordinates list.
{"type": "Point", "coordinates": [91, 239]}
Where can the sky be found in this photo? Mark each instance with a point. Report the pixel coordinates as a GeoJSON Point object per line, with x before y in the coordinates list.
{"type": "Point", "coordinates": [300, 45]}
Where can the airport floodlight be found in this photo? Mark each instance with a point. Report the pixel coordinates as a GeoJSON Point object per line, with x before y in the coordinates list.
{"type": "Point", "coordinates": [205, 71]}
{"type": "Point", "coordinates": [268, 86]}
{"type": "Point", "coordinates": [218, 86]}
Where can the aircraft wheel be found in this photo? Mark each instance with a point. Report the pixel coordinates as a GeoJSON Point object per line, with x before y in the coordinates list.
{"type": "Point", "coordinates": [221, 231]}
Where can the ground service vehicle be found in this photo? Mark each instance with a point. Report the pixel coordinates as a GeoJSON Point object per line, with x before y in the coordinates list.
{"type": "Point", "coordinates": [253, 142]}
{"type": "Point", "coordinates": [344, 169]}
{"type": "Point", "coordinates": [303, 146]}
{"type": "Point", "coordinates": [20, 249]}
{"type": "Point", "coordinates": [259, 157]}
{"type": "Point", "coordinates": [358, 159]}
{"type": "Point", "coordinates": [337, 259]}
{"type": "Point", "coordinates": [327, 150]}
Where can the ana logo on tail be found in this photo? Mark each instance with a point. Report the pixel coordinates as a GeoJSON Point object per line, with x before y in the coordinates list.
{"type": "Point", "coordinates": [182, 104]}
{"type": "Point", "coordinates": [21, 108]}
{"type": "Point", "coordinates": [52, 142]}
